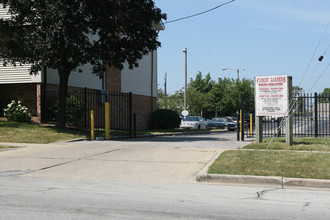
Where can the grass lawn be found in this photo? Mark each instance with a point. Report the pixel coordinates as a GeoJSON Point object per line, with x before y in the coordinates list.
{"type": "Point", "coordinates": [14, 132]}
{"type": "Point", "coordinates": [280, 160]}
{"type": "Point", "coordinates": [300, 144]}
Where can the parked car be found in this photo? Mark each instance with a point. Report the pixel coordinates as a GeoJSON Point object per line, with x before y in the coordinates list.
{"type": "Point", "coordinates": [231, 119]}
{"type": "Point", "coordinates": [234, 119]}
{"type": "Point", "coordinates": [223, 122]}
{"type": "Point", "coordinates": [229, 122]}
{"type": "Point", "coordinates": [194, 122]}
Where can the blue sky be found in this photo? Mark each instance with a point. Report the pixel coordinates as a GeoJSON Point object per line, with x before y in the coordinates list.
{"type": "Point", "coordinates": [265, 37]}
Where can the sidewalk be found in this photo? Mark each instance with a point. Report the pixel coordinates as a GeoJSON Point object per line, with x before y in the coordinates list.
{"type": "Point", "coordinates": [177, 158]}
{"type": "Point", "coordinates": [139, 160]}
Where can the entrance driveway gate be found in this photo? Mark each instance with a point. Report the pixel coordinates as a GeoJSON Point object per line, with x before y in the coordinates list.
{"type": "Point", "coordinates": [311, 118]}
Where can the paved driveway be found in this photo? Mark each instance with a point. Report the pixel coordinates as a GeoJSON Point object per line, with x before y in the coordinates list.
{"type": "Point", "coordinates": [153, 159]}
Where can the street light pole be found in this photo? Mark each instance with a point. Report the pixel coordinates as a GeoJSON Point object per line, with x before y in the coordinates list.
{"type": "Point", "coordinates": [185, 79]}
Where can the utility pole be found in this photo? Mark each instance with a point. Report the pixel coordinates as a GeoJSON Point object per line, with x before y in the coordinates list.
{"type": "Point", "coordinates": [165, 84]}
{"type": "Point", "coordinates": [185, 79]}
{"type": "Point", "coordinates": [237, 70]}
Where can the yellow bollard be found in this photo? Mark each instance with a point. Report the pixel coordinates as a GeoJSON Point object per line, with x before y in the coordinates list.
{"type": "Point", "coordinates": [251, 125]}
{"type": "Point", "coordinates": [107, 120]}
{"type": "Point", "coordinates": [92, 125]}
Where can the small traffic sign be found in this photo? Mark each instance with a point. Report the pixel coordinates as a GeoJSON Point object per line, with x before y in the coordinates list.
{"type": "Point", "coordinates": [185, 113]}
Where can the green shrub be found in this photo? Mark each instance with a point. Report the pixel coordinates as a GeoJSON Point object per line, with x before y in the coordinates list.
{"type": "Point", "coordinates": [74, 109]}
{"type": "Point", "coordinates": [17, 112]}
{"type": "Point", "coordinates": [165, 119]}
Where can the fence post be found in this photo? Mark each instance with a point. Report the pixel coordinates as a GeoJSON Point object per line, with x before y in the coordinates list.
{"type": "Point", "coordinates": [43, 100]}
{"type": "Point", "coordinates": [85, 103]}
{"type": "Point", "coordinates": [241, 124]}
{"type": "Point", "coordinates": [315, 116]}
{"type": "Point", "coordinates": [242, 118]}
{"type": "Point", "coordinates": [130, 115]}
{"type": "Point", "coordinates": [238, 124]}
{"type": "Point", "coordinates": [279, 122]}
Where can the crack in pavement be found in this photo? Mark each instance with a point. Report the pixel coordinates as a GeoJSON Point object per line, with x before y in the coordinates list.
{"type": "Point", "coordinates": [307, 204]}
{"type": "Point", "coordinates": [78, 159]}
{"type": "Point", "coordinates": [261, 193]}
{"type": "Point", "coordinates": [45, 158]}
{"type": "Point", "coordinates": [16, 172]}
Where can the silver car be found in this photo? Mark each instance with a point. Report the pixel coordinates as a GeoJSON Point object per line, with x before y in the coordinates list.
{"type": "Point", "coordinates": [194, 122]}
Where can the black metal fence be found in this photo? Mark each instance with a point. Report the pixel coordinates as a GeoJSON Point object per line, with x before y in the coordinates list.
{"type": "Point", "coordinates": [311, 115]}
{"type": "Point", "coordinates": [311, 118]}
{"type": "Point", "coordinates": [81, 102]}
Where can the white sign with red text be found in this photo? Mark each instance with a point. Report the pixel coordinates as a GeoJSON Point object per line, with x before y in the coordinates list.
{"type": "Point", "coordinates": [271, 96]}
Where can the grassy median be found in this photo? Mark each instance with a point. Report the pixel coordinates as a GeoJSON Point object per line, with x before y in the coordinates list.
{"type": "Point", "coordinates": [307, 158]}
{"type": "Point", "coordinates": [299, 144]}
{"type": "Point", "coordinates": [14, 132]}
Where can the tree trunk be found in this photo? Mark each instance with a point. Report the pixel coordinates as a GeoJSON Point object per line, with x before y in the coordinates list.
{"type": "Point", "coordinates": [63, 91]}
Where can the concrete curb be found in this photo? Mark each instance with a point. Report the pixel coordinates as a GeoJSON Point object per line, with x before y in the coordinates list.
{"type": "Point", "coordinates": [240, 179]}
{"type": "Point", "coordinates": [282, 182]}
{"type": "Point", "coordinates": [300, 182]}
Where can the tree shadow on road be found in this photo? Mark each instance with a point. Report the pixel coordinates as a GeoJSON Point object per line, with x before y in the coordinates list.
{"type": "Point", "coordinates": [177, 139]}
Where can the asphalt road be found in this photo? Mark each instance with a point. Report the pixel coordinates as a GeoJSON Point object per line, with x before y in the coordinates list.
{"type": "Point", "coordinates": [30, 198]}
{"type": "Point", "coordinates": [146, 178]}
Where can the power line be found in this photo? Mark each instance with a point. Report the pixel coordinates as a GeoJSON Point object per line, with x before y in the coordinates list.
{"type": "Point", "coordinates": [320, 60]}
{"type": "Point", "coordinates": [293, 102]}
{"type": "Point", "coordinates": [205, 67]}
{"type": "Point", "coordinates": [324, 32]}
{"type": "Point", "coordinates": [319, 77]}
{"type": "Point", "coordinates": [200, 13]}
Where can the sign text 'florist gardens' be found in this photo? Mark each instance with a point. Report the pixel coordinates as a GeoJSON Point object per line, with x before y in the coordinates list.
{"type": "Point", "coordinates": [272, 96]}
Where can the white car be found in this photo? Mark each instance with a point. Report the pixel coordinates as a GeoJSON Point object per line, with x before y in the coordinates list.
{"type": "Point", "coordinates": [271, 118]}
{"type": "Point", "coordinates": [194, 122]}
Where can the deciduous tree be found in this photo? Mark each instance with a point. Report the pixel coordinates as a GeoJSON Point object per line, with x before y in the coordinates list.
{"type": "Point", "coordinates": [173, 102]}
{"type": "Point", "coordinates": [64, 35]}
{"type": "Point", "coordinates": [199, 96]}
{"type": "Point", "coordinates": [325, 96]}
